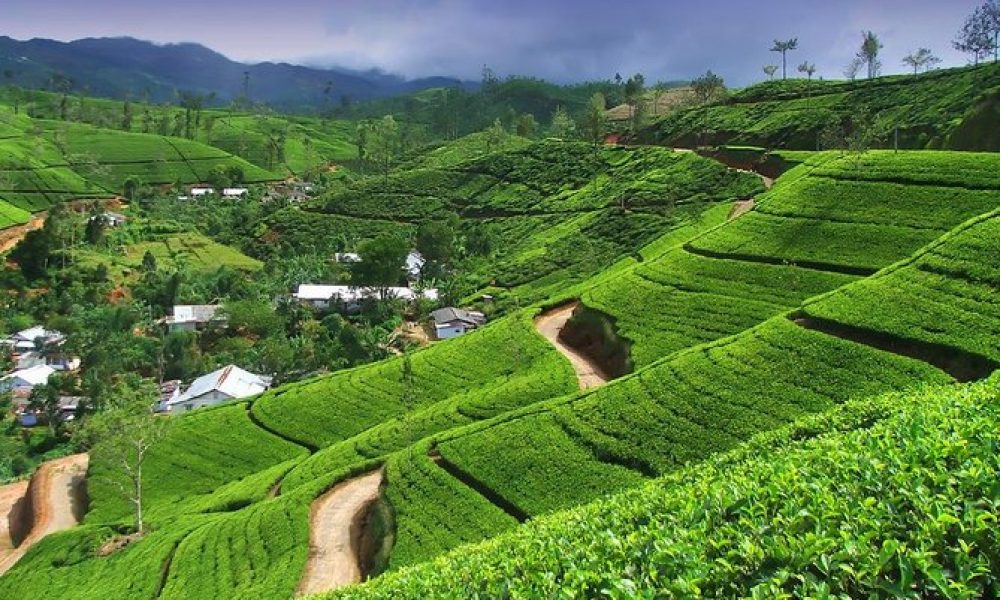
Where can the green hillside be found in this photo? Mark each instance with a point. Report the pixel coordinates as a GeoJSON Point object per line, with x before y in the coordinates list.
{"type": "Point", "coordinates": [759, 349]}
{"type": "Point", "coordinates": [285, 144]}
{"type": "Point", "coordinates": [904, 481]}
{"type": "Point", "coordinates": [557, 212]}
{"type": "Point", "coordinates": [928, 110]}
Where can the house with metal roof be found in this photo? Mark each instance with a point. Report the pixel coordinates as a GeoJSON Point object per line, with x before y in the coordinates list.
{"type": "Point", "coordinates": [452, 322]}
{"type": "Point", "coordinates": [228, 383]}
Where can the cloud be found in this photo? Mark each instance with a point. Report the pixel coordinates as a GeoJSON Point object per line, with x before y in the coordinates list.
{"type": "Point", "coordinates": [587, 39]}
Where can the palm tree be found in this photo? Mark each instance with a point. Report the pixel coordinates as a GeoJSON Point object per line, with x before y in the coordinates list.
{"type": "Point", "coordinates": [784, 47]}
{"type": "Point", "coordinates": [870, 47]}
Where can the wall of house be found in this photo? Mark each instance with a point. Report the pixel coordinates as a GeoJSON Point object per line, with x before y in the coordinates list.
{"type": "Point", "coordinates": [209, 399]}
{"type": "Point", "coordinates": [450, 331]}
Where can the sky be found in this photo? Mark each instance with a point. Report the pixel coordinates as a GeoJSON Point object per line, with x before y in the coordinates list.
{"type": "Point", "coordinates": [560, 40]}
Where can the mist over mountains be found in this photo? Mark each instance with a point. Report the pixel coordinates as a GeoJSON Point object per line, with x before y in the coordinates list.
{"type": "Point", "coordinates": [120, 67]}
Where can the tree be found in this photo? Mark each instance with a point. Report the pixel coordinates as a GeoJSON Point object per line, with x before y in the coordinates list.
{"type": "Point", "coordinates": [708, 87]}
{"type": "Point", "coordinates": [382, 261]}
{"type": "Point", "coordinates": [130, 186]}
{"type": "Point", "coordinates": [149, 262]}
{"type": "Point", "coordinates": [45, 399]}
{"type": "Point", "coordinates": [770, 70]}
{"type": "Point", "coordinates": [562, 126]}
{"type": "Point", "coordinates": [382, 144]}
{"type": "Point", "coordinates": [635, 87]}
{"type": "Point", "coordinates": [94, 232]}
{"type": "Point", "coordinates": [980, 34]}
{"type": "Point", "coordinates": [921, 58]}
{"type": "Point", "coordinates": [127, 116]}
{"type": "Point", "coordinates": [808, 68]}
{"type": "Point", "coordinates": [868, 53]}
{"type": "Point", "coordinates": [435, 242]}
{"type": "Point", "coordinates": [852, 68]}
{"type": "Point", "coordinates": [409, 381]}
{"type": "Point", "coordinates": [784, 47]}
{"type": "Point", "coordinates": [526, 125]}
{"type": "Point", "coordinates": [32, 253]}
{"type": "Point", "coordinates": [496, 136]}
{"type": "Point", "coordinates": [121, 437]}
{"type": "Point", "coordinates": [596, 119]}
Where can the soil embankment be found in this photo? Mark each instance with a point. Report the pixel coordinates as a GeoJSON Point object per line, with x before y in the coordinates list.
{"type": "Point", "coordinates": [551, 324]}
{"type": "Point", "coordinates": [336, 523]}
{"type": "Point", "coordinates": [54, 500]}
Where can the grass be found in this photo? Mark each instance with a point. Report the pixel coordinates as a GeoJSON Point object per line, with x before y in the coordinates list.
{"type": "Point", "coordinates": [170, 251]}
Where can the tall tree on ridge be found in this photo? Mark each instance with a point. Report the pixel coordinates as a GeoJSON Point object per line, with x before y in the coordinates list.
{"type": "Point", "coordinates": [784, 47]}
{"type": "Point", "coordinates": [868, 53]}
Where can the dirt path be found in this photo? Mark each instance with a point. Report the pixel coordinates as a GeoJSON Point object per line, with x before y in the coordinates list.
{"type": "Point", "coordinates": [10, 496]}
{"type": "Point", "coordinates": [55, 494]}
{"type": "Point", "coordinates": [335, 523]}
{"type": "Point", "coordinates": [549, 324]}
{"type": "Point", "coordinates": [10, 236]}
{"type": "Point", "coordinates": [741, 207]}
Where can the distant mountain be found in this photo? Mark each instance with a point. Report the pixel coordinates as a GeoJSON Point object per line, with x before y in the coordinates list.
{"type": "Point", "coordinates": [116, 67]}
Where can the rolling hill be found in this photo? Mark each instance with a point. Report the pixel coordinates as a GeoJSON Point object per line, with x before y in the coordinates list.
{"type": "Point", "coordinates": [735, 329]}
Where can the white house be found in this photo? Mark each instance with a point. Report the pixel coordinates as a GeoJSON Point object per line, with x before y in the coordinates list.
{"type": "Point", "coordinates": [234, 192]}
{"type": "Point", "coordinates": [110, 219]}
{"type": "Point", "coordinates": [23, 347]}
{"type": "Point", "coordinates": [200, 192]}
{"type": "Point", "coordinates": [452, 322]}
{"type": "Point", "coordinates": [25, 380]}
{"type": "Point", "coordinates": [322, 296]}
{"type": "Point", "coordinates": [347, 257]}
{"type": "Point", "coordinates": [192, 317]}
{"type": "Point", "coordinates": [24, 341]}
{"type": "Point", "coordinates": [228, 383]}
{"type": "Point", "coordinates": [414, 264]}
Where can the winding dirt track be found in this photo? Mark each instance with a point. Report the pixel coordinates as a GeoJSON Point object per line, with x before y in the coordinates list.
{"type": "Point", "coordinates": [55, 493]}
{"type": "Point", "coordinates": [549, 324]}
{"type": "Point", "coordinates": [335, 525]}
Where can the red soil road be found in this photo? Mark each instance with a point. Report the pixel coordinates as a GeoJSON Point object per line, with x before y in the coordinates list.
{"type": "Point", "coordinates": [10, 495]}
{"type": "Point", "coordinates": [55, 496]}
{"type": "Point", "coordinates": [336, 521]}
{"type": "Point", "coordinates": [549, 324]}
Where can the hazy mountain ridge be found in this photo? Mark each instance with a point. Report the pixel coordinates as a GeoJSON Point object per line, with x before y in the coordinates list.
{"type": "Point", "coordinates": [116, 67]}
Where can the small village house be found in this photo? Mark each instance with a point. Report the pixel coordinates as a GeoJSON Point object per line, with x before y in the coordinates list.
{"type": "Point", "coordinates": [235, 192]}
{"type": "Point", "coordinates": [201, 192]}
{"type": "Point", "coordinates": [110, 219]}
{"type": "Point", "coordinates": [26, 349]}
{"type": "Point", "coordinates": [227, 383]}
{"type": "Point", "coordinates": [20, 383]}
{"type": "Point", "coordinates": [350, 297]}
{"type": "Point", "coordinates": [193, 317]}
{"type": "Point", "coordinates": [452, 322]}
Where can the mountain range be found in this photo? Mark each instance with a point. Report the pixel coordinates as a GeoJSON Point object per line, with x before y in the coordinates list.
{"type": "Point", "coordinates": [122, 66]}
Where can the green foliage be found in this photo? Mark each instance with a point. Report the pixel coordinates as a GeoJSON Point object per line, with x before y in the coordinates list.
{"type": "Point", "coordinates": [791, 114]}
{"type": "Point", "coordinates": [203, 451]}
{"type": "Point", "coordinates": [953, 284]}
{"type": "Point", "coordinates": [433, 511]}
{"type": "Point", "coordinates": [813, 511]}
{"type": "Point", "coordinates": [337, 407]}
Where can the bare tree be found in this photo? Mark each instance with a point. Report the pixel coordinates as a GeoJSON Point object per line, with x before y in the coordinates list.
{"type": "Point", "coordinates": [120, 439]}
{"type": "Point", "coordinates": [852, 68]}
{"type": "Point", "coordinates": [784, 47]}
{"type": "Point", "coordinates": [708, 87]}
{"type": "Point", "coordinates": [770, 70]}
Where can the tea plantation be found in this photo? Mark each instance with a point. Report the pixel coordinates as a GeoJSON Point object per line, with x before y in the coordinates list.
{"type": "Point", "coordinates": [809, 408]}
